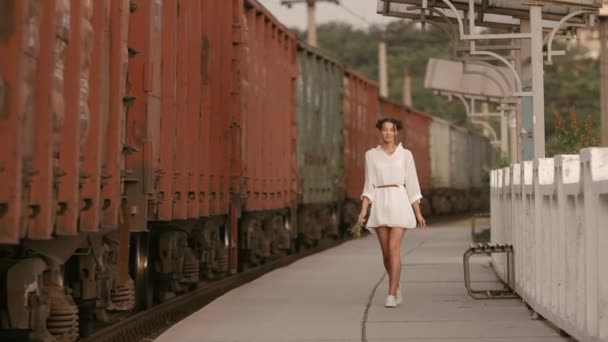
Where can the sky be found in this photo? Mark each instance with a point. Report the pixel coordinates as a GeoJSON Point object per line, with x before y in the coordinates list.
{"type": "Point", "coordinates": [358, 13]}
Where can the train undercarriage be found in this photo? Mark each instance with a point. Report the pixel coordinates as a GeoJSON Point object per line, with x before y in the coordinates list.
{"type": "Point", "coordinates": [69, 287]}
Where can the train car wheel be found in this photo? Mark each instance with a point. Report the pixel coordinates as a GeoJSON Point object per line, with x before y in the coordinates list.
{"type": "Point", "coordinates": [144, 293]}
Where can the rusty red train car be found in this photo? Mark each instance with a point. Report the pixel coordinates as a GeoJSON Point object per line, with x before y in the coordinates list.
{"type": "Point", "coordinates": [267, 136]}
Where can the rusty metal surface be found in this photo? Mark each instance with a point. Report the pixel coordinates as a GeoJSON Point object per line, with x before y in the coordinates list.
{"type": "Point", "coordinates": [269, 158]}
{"type": "Point", "coordinates": [98, 112]}
{"type": "Point", "coordinates": [319, 117]}
{"type": "Point", "coordinates": [42, 191]}
{"type": "Point", "coordinates": [69, 145]}
{"type": "Point", "coordinates": [114, 133]}
{"type": "Point", "coordinates": [361, 110]}
{"type": "Point", "coordinates": [193, 107]}
{"type": "Point", "coordinates": [216, 89]}
{"type": "Point", "coordinates": [13, 35]}
{"type": "Point", "coordinates": [180, 169]}
{"type": "Point", "coordinates": [143, 115]}
{"type": "Point", "coordinates": [237, 113]}
{"type": "Point", "coordinates": [167, 118]}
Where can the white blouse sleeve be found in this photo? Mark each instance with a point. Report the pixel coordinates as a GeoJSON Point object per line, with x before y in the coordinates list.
{"type": "Point", "coordinates": [411, 179]}
{"type": "Point", "coordinates": [368, 187]}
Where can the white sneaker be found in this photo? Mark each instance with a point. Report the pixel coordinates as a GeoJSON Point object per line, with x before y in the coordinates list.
{"type": "Point", "coordinates": [391, 302]}
{"type": "Point", "coordinates": [399, 296]}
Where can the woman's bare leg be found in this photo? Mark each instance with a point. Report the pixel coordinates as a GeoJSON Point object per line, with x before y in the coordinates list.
{"type": "Point", "coordinates": [383, 237]}
{"type": "Point", "coordinates": [394, 247]}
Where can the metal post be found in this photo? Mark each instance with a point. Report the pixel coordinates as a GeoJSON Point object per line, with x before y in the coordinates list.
{"type": "Point", "coordinates": [383, 69]}
{"type": "Point", "coordinates": [312, 25]}
{"type": "Point", "coordinates": [504, 139]}
{"type": "Point", "coordinates": [525, 115]}
{"type": "Point", "coordinates": [604, 78]}
{"type": "Point", "coordinates": [538, 86]}
{"type": "Point", "coordinates": [407, 88]}
{"type": "Point", "coordinates": [485, 111]}
{"type": "Point", "coordinates": [520, 55]}
{"type": "Point", "coordinates": [513, 136]}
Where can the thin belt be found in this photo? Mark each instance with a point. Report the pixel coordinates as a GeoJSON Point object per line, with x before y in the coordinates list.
{"type": "Point", "coordinates": [386, 186]}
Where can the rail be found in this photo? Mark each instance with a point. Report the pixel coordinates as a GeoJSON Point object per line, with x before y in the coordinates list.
{"type": "Point", "coordinates": [554, 211]}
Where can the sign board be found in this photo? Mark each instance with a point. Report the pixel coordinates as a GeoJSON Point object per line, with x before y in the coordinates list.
{"type": "Point", "coordinates": [468, 78]}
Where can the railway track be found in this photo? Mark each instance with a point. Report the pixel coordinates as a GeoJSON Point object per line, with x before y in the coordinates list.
{"type": "Point", "coordinates": [151, 323]}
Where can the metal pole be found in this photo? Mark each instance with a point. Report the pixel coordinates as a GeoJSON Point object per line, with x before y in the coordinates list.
{"type": "Point", "coordinates": [513, 136]}
{"type": "Point", "coordinates": [407, 88]}
{"type": "Point", "coordinates": [525, 118]}
{"type": "Point", "coordinates": [312, 24]}
{"type": "Point", "coordinates": [520, 55]}
{"type": "Point", "coordinates": [485, 111]}
{"type": "Point", "coordinates": [538, 86]}
{"type": "Point", "coordinates": [383, 69]}
{"type": "Point", "coordinates": [504, 139]}
{"type": "Point", "coordinates": [604, 78]}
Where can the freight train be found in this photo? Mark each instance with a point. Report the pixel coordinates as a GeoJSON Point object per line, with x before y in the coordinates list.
{"type": "Point", "coordinates": [149, 146]}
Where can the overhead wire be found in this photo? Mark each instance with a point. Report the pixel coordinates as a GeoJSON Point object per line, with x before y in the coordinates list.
{"type": "Point", "coordinates": [353, 13]}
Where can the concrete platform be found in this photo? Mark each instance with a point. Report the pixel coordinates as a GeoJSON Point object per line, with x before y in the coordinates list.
{"type": "Point", "coordinates": [338, 296]}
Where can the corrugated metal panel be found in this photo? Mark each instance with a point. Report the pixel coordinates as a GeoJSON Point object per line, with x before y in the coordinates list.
{"type": "Point", "coordinates": [69, 147]}
{"type": "Point", "coordinates": [115, 129]}
{"type": "Point", "coordinates": [319, 107]}
{"type": "Point", "coordinates": [361, 110]}
{"type": "Point", "coordinates": [182, 133]}
{"type": "Point", "coordinates": [460, 158]}
{"type": "Point", "coordinates": [42, 198]}
{"type": "Point", "coordinates": [143, 117]}
{"type": "Point", "coordinates": [217, 80]}
{"type": "Point", "coordinates": [269, 181]}
{"type": "Point", "coordinates": [440, 153]}
{"type": "Point", "coordinates": [166, 136]}
{"type": "Point", "coordinates": [193, 107]}
{"type": "Point", "coordinates": [98, 109]}
{"type": "Point", "coordinates": [19, 48]}
{"type": "Point", "coordinates": [69, 68]}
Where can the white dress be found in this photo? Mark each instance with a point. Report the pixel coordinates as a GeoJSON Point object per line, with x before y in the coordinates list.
{"type": "Point", "coordinates": [391, 206]}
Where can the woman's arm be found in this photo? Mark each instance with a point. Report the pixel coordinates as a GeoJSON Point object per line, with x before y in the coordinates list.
{"type": "Point", "coordinates": [419, 217]}
{"type": "Point", "coordinates": [368, 187]}
{"type": "Point", "coordinates": [364, 206]}
{"type": "Point", "coordinates": [413, 188]}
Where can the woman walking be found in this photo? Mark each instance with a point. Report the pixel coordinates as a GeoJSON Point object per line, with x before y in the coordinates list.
{"type": "Point", "coordinates": [391, 185]}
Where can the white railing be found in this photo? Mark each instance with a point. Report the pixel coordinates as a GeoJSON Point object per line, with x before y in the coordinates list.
{"type": "Point", "coordinates": [555, 213]}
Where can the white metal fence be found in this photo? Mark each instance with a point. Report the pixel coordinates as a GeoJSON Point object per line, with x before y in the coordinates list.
{"type": "Point", "coordinates": [555, 213]}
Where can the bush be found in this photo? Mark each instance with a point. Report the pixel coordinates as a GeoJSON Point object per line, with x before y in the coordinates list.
{"type": "Point", "coordinates": [571, 136]}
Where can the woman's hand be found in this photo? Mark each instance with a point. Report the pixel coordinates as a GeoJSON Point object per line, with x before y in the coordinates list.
{"type": "Point", "coordinates": [421, 220]}
{"type": "Point", "coordinates": [362, 215]}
